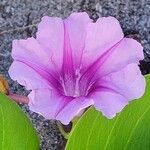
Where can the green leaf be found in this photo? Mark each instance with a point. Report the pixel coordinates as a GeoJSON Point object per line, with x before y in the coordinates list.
{"type": "Point", "coordinates": [130, 130]}
{"type": "Point", "coordinates": [16, 131]}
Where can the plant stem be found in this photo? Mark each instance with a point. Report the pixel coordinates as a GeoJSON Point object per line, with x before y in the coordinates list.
{"type": "Point", "coordinates": [63, 132]}
{"type": "Point", "coordinates": [19, 99]}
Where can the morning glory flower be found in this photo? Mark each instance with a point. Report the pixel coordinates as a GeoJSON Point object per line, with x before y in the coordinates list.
{"type": "Point", "coordinates": [75, 63]}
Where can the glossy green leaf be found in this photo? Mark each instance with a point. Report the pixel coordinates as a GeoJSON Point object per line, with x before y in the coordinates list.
{"type": "Point", "coordinates": [16, 131]}
{"type": "Point", "coordinates": [130, 130]}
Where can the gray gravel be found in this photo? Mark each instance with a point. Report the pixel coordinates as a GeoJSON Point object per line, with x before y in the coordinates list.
{"type": "Point", "coordinates": [15, 15]}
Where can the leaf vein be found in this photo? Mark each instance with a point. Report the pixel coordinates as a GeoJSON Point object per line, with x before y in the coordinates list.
{"type": "Point", "coordinates": [108, 138]}
{"type": "Point", "coordinates": [3, 131]}
{"type": "Point", "coordinates": [91, 131]}
{"type": "Point", "coordinates": [140, 118]}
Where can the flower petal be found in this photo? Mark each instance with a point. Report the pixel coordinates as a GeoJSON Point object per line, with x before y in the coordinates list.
{"type": "Point", "coordinates": [31, 51]}
{"type": "Point", "coordinates": [73, 108]}
{"type": "Point", "coordinates": [125, 52]}
{"type": "Point", "coordinates": [74, 37]}
{"type": "Point", "coordinates": [51, 36]}
{"type": "Point", "coordinates": [33, 77]}
{"type": "Point", "coordinates": [26, 76]}
{"type": "Point", "coordinates": [76, 26]}
{"type": "Point", "coordinates": [113, 92]}
{"type": "Point", "coordinates": [109, 102]}
{"type": "Point", "coordinates": [53, 106]}
{"type": "Point", "coordinates": [101, 36]}
{"type": "Point", "coordinates": [128, 82]}
{"type": "Point", "coordinates": [47, 102]}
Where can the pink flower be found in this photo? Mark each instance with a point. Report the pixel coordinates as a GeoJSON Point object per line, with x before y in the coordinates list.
{"type": "Point", "coordinates": [75, 63]}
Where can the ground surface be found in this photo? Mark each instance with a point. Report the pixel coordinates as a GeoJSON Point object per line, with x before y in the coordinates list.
{"type": "Point", "coordinates": [15, 15]}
